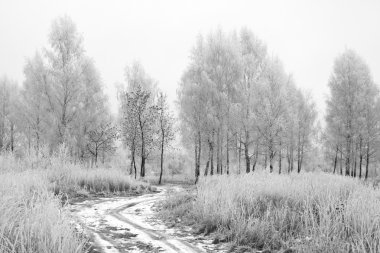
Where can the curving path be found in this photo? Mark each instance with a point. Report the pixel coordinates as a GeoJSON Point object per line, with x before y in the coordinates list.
{"type": "Point", "coordinates": [129, 224]}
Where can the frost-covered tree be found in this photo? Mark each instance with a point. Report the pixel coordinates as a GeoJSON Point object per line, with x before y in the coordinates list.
{"type": "Point", "coordinates": [233, 97]}
{"type": "Point", "coordinates": [352, 124]}
{"type": "Point", "coordinates": [8, 103]}
{"type": "Point", "coordinates": [139, 118]}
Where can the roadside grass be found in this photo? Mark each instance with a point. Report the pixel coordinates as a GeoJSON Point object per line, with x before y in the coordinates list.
{"type": "Point", "coordinates": [182, 179]}
{"type": "Point", "coordinates": [32, 218]}
{"type": "Point", "coordinates": [34, 195]}
{"type": "Point", "coordinates": [307, 212]}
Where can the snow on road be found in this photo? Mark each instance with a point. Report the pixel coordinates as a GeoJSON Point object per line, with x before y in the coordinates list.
{"type": "Point", "coordinates": [129, 224]}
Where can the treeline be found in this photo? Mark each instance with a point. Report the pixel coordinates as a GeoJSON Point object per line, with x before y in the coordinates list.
{"type": "Point", "coordinates": [238, 109]}
{"type": "Point", "coordinates": [352, 134]}
{"type": "Point", "coordinates": [60, 102]}
{"type": "Point", "coordinates": [236, 102]}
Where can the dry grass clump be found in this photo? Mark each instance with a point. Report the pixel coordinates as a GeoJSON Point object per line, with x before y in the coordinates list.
{"type": "Point", "coordinates": [310, 212]}
{"type": "Point", "coordinates": [32, 218]}
{"type": "Point", "coordinates": [111, 180]}
{"type": "Point", "coordinates": [68, 178]}
{"type": "Point", "coordinates": [178, 205]}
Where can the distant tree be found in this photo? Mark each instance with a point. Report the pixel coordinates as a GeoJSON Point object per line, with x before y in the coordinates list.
{"type": "Point", "coordinates": [232, 97]}
{"type": "Point", "coordinates": [139, 108]}
{"type": "Point", "coordinates": [140, 122]}
{"type": "Point", "coordinates": [101, 140]}
{"type": "Point", "coordinates": [270, 108]}
{"type": "Point", "coordinates": [8, 101]}
{"type": "Point", "coordinates": [130, 128]}
{"type": "Point", "coordinates": [352, 124]}
{"type": "Point", "coordinates": [166, 127]}
{"type": "Point", "coordinates": [34, 105]}
{"type": "Point", "coordinates": [253, 57]}
{"type": "Point", "coordinates": [91, 111]}
{"type": "Point", "coordinates": [63, 99]}
{"type": "Point", "coordinates": [306, 117]}
{"type": "Point", "coordinates": [66, 63]}
{"type": "Point", "coordinates": [194, 98]}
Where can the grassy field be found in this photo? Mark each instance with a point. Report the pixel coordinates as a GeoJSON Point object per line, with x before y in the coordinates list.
{"type": "Point", "coordinates": [33, 201]}
{"type": "Point", "coordinates": [309, 212]}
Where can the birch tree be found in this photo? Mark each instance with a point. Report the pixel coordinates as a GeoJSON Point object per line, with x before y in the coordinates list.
{"type": "Point", "coordinates": [140, 112]}
{"type": "Point", "coordinates": [351, 109]}
{"type": "Point", "coordinates": [166, 128]}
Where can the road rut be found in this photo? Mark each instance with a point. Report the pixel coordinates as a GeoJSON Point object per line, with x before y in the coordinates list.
{"type": "Point", "coordinates": [129, 224]}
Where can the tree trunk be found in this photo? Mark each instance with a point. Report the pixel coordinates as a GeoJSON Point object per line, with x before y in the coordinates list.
{"type": "Point", "coordinates": [355, 161]}
{"type": "Point", "coordinates": [162, 156]}
{"type": "Point", "coordinates": [12, 137]}
{"type": "Point", "coordinates": [348, 153]}
{"type": "Point", "coordinates": [265, 160]}
{"type": "Point", "coordinates": [132, 159]}
{"type": "Point", "coordinates": [218, 152]}
{"type": "Point", "coordinates": [212, 156]}
{"type": "Point", "coordinates": [341, 162]}
{"type": "Point", "coordinates": [209, 157]}
{"type": "Point", "coordinates": [367, 162]}
{"type": "Point", "coordinates": [239, 158]}
{"type": "Point", "coordinates": [279, 158]}
{"type": "Point", "coordinates": [288, 158]}
{"type": "Point", "coordinates": [360, 158]}
{"type": "Point", "coordinates": [256, 156]}
{"type": "Point", "coordinates": [195, 159]}
{"type": "Point", "coordinates": [96, 155]}
{"type": "Point", "coordinates": [301, 158]}
{"type": "Point", "coordinates": [134, 166]}
{"type": "Point", "coordinates": [271, 155]}
{"type": "Point", "coordinates": [206, 169]}
{"type": "Point", "coordinates": [298, 158]}
{"type": "Point", "coordinates": [228, 156]}
{"type": "Point", "coordinates": [142, 167]}
{"type": "Point", "coordinates": [247, 160]}
{"type": "Point", "coordinates": [291, 159]}
{"type": "Point", "coordinates": [336, 159]}
{"type": "Point", "coordinates": [221, 155]}
{"type": "Point", "coordinates": [246, 153]}
{"type": "Point", "coordinates": [198, 157]}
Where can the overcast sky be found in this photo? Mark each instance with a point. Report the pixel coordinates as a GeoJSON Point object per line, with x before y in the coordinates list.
{"type": "Point", "coordinates": [305, 35]}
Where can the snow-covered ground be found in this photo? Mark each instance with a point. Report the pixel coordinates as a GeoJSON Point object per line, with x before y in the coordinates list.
{"type": "Point", "coordinates": [129, 224]}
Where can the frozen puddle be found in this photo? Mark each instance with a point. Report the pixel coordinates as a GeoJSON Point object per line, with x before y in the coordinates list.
{"type": "Point", "coordinates": [128, 224]}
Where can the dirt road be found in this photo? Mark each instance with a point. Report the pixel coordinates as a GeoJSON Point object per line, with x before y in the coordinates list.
{"type": "Point", "coordinates": [129, 224]}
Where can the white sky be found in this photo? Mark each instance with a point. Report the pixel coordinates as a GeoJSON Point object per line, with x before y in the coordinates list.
{"type": "Point", "coordinates": [305, 35]}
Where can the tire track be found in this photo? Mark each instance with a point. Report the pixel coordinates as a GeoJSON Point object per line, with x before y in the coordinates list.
{"type": "Point", "coordinates": [122, 225]}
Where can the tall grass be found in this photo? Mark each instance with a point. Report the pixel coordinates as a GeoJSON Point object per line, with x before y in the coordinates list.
{"type": "Point", "coordinates": [32, 218]}
{"type": "Point", "coordinates": [311, 212]}
{"type": "Point", "coordinates": [33, 207]}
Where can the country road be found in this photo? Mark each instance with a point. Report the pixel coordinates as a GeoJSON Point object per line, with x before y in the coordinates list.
{"type": "Point", "coordinates": [129, 224]}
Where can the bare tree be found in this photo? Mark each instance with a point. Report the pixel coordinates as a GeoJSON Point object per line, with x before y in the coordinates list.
{"type": "Point", "coordinates": [101, 140]}
{"type": "Point", "coordinates": [166, 128]}
{"type": "Point", "coordinates": [141, 114]}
